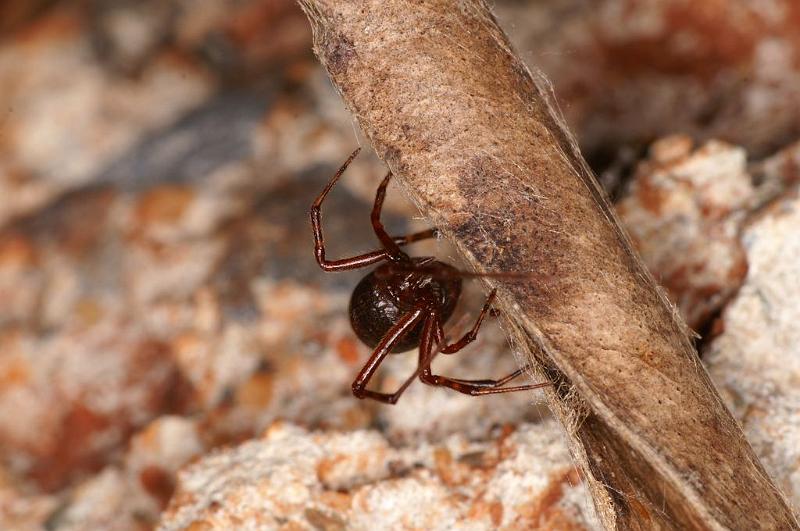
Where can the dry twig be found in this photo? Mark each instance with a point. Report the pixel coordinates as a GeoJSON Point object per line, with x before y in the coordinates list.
{"type": "Point", "coordinates": [462, 123]}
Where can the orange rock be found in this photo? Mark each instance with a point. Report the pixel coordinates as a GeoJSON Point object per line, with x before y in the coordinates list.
{"type": "Point", "coordinates": [164, 204]}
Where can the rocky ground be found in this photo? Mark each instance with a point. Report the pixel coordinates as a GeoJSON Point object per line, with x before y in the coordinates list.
{"type": "Point", "coordinates": [172, 357]}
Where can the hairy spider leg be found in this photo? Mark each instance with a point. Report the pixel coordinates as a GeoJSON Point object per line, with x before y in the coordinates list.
{"type": "Point", "coordinates": [365, 259]}
{"type": "Point", "coordinates": [395, 333]}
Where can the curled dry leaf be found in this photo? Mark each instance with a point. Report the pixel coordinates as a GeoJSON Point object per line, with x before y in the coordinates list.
{"type": "Point", "coordinates": [462, 123]}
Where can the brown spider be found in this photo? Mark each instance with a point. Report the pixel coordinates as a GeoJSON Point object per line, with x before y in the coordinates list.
{"type": "Point", "coordinates": [403, 304]}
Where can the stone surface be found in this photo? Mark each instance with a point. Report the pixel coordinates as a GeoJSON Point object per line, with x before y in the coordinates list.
{"type": "Point", "coordinates": [65, 116]}
{"type": "Point", "coordinates": [159, 300]}
{"type": "Point", "coordinates": [755, 360]}
{"type": "Point", "coordinates": [132, 494]}
{"type": "Point", "coordinates": [683, 211]}
{"type": "Point", "coordinates": [292, 479]}
{"type": "Point", "coordinates": [776, 173]}
{"type": "Point", "coordinates": [629, 71]}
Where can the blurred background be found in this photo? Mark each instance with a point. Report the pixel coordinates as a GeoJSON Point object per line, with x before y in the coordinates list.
{"type": "Point", "coordinates": [158, 292]}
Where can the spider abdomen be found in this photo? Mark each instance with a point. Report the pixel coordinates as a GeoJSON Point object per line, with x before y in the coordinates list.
{"type": "Point", "coordinates": [384, 296]}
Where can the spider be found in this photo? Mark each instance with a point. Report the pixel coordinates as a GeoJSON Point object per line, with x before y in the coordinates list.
{"type": "Point", "coordinates": [404, 303]}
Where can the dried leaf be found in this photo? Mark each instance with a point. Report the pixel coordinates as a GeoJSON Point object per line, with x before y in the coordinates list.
{"type": "Point", "coordinates": [474, 137]}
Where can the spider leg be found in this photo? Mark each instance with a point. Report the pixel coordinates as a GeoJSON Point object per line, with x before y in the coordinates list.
{"type": "Point", "coordinates": [361, 260]}
{"type": "Point", "coordinates": [389, 244]}
{"type": "Point", "coordinates": [493, 383]}
{"type": "Point", "coordinates": [469, 387]}
{"type": "Point", "coordinates": [482, 387]}
{"type": "Point", "coordinates": [417, 236]}
{"type": "Point", "coordinates": [319, 241]}
{"type": "Point", "coordinates": [406, 323]}
{"type": "Point", "coordinates": [470, 336]}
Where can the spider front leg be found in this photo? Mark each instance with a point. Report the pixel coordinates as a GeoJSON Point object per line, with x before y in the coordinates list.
{"type": "Point", "coordinates": [417, 236]}
{"type": "Point", "coordinates": [470, 336]}
{"type": "Point", "coordinates": [365, 259]}
{"type": "Point", "coordinates": [395, 334]}
{"type": "Point", "coordinates": [319, 241]}
{"type": "Point", "coordinates": [469, 387]}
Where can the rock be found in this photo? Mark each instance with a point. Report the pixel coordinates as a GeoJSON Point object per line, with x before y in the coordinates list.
{"type": "Point", "coordinates": [755, 360]}
{"type": "Point", "coordinates": [64, 116]}
{"type": "Point", "coordinates": [67, 403]}
{"type": "Point", "coordinates": [629, 71]}
{"type": "Point", "coordinates": [23, 511]}
{"type": "Point", "coordinates": [777, 173]}
{"type": "Point", "coordinates": [683, 211]}
{"type": "Point", "coordinates": [293, 479]}
{"type": "Point", "coordinates": [132, 495]}
{"type": "Point", "coordinates": [159, 299]}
